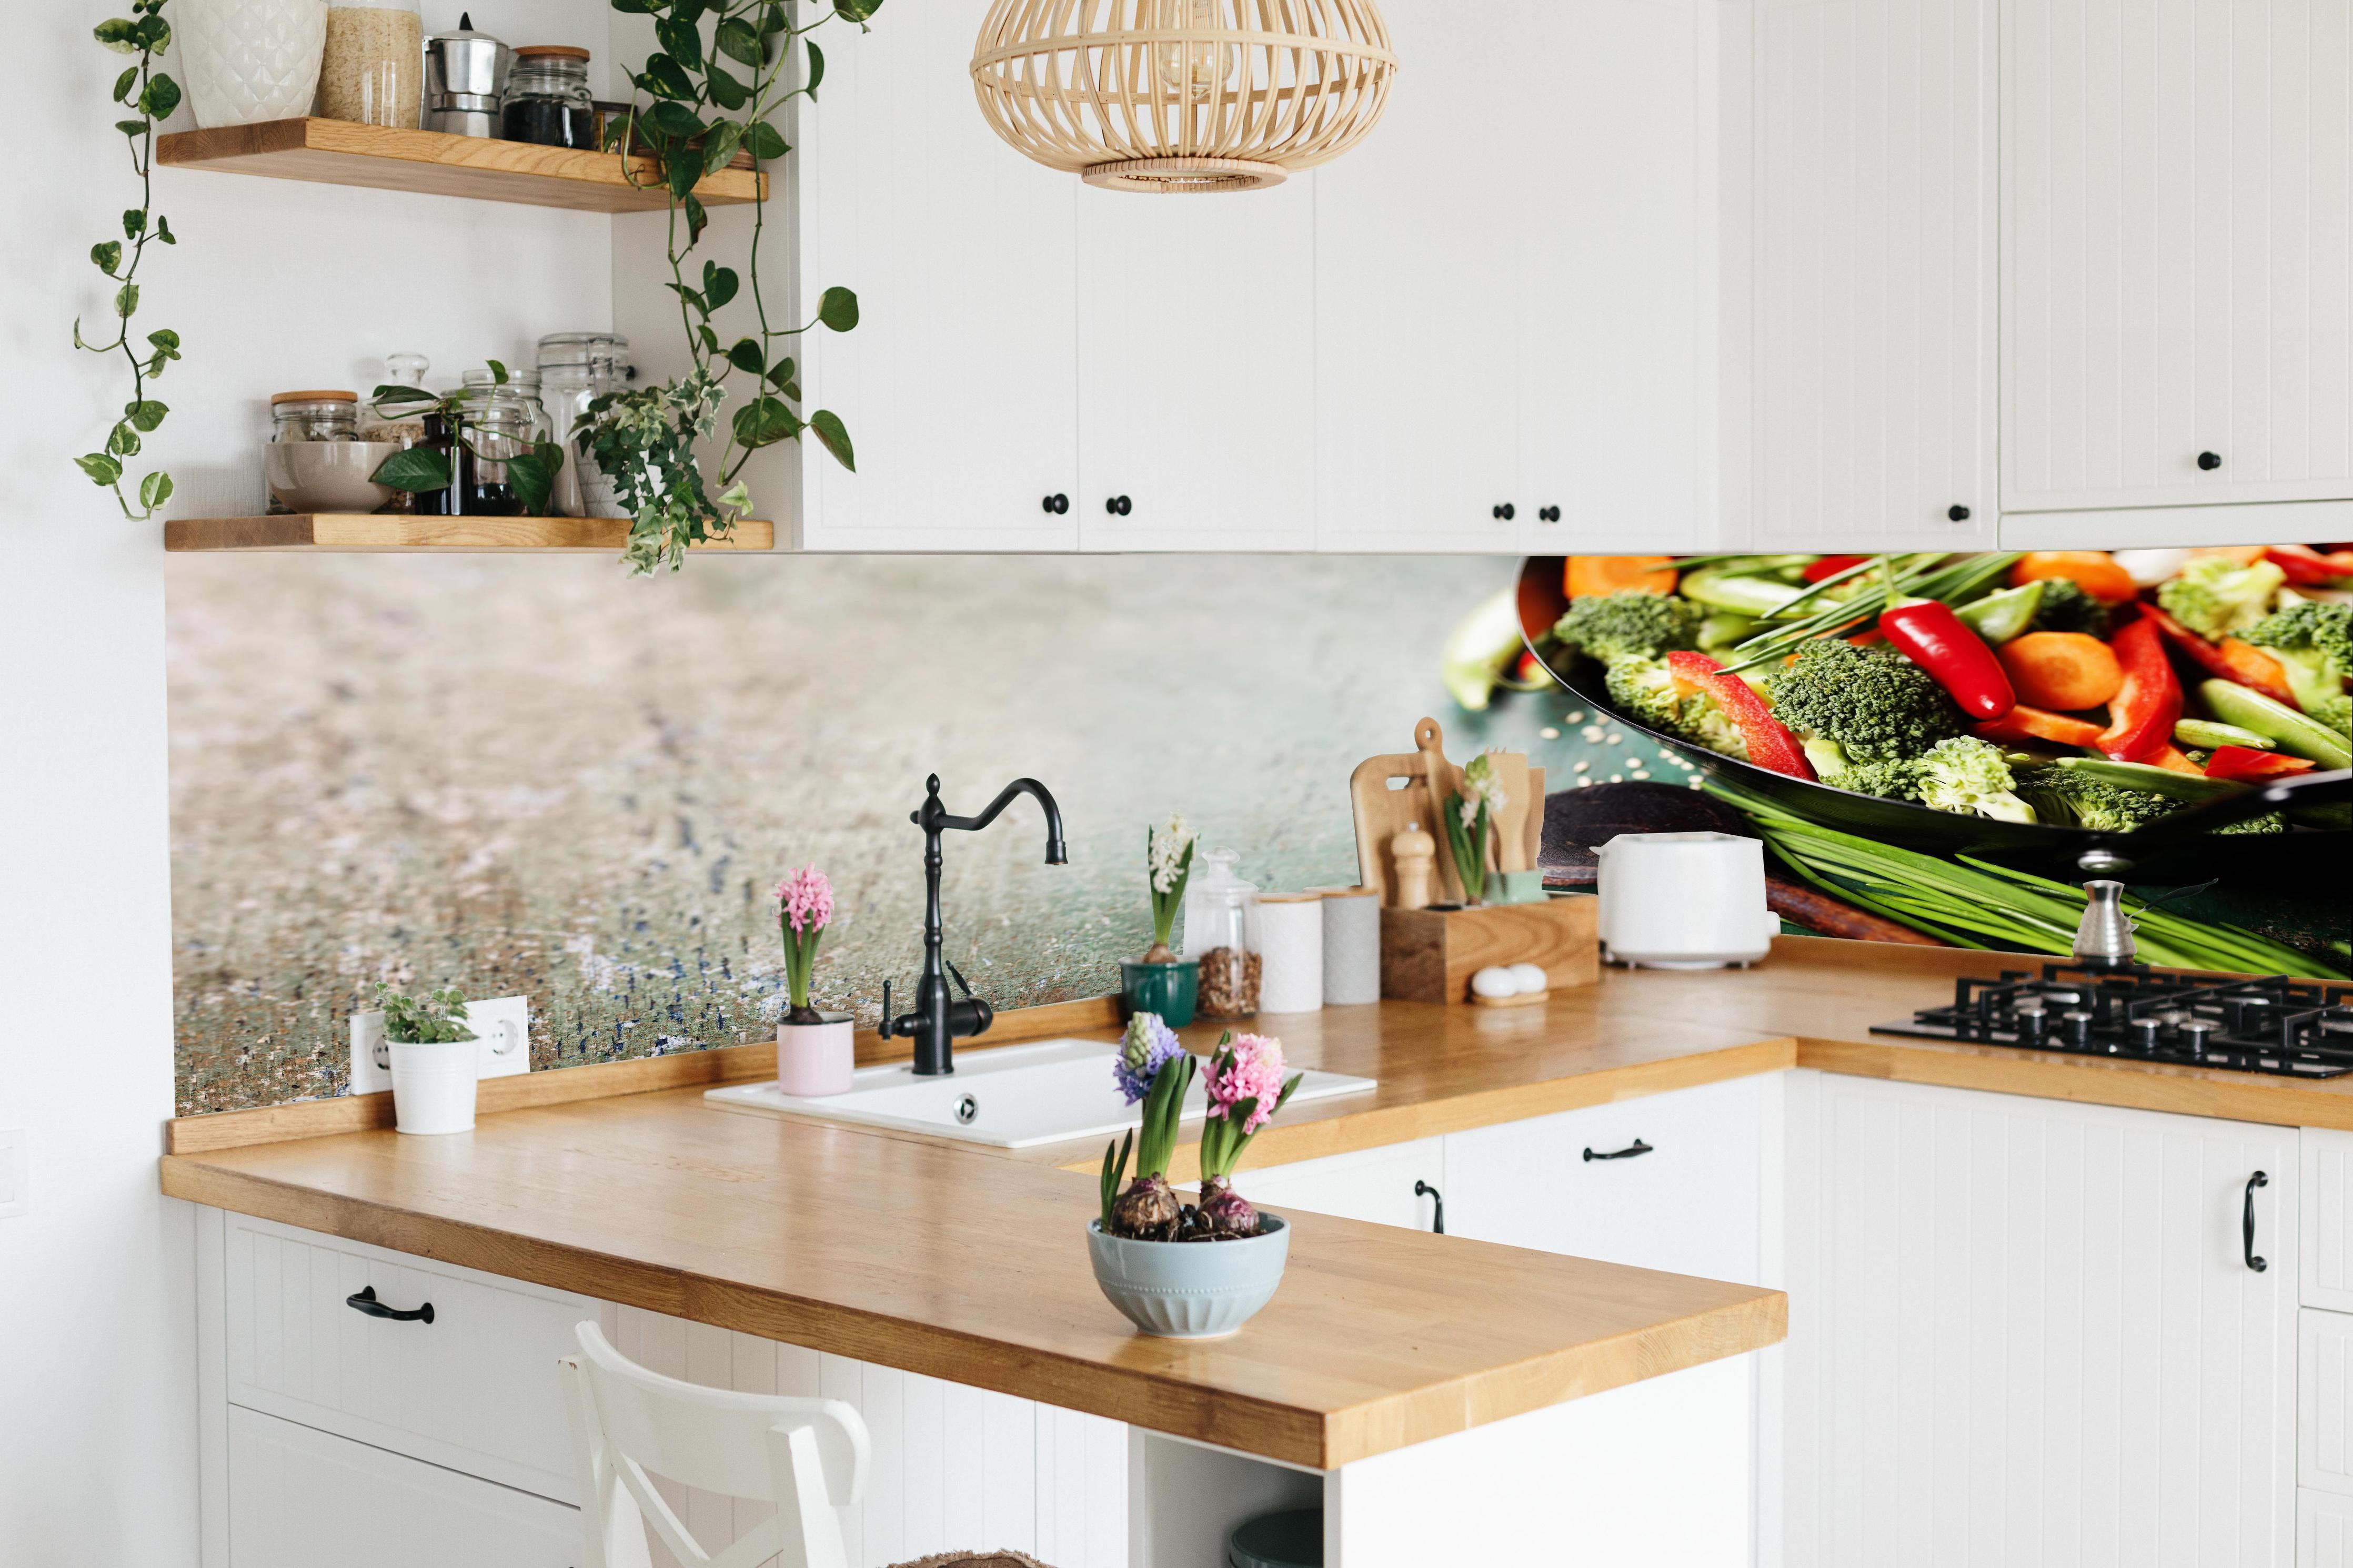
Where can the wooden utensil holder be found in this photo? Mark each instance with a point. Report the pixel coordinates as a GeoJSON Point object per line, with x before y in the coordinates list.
{"type": "Point", "coordinates": [1430, 955]}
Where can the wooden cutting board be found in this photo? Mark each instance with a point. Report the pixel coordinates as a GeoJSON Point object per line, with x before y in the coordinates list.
{"type": "Point", "coordinates": [1408, 789]}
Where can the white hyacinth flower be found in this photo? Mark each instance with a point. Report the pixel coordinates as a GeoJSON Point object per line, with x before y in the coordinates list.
{"type": "Point", "coordinates": [1168, 846]}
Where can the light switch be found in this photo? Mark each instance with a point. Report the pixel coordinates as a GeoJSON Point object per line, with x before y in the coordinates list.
{"type": "Point", "coordinates": [13, 1194]}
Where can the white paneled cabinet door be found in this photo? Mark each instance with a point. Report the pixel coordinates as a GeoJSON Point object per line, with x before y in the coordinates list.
{"type": "Point", "coordinates": [1402, 1184]}
{"type": "Point", "coordinates": [2023, 1331]}
{"type": "Point", "coordinates": [1873, 397]}
{"type": "Point", "coordinates": [1196, 349]}
{"type": "Point", "coordinates": [958, 384]}
{"type": "Point", "coordinates": [2178, 282]}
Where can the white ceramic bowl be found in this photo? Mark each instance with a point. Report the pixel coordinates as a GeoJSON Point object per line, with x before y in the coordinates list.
{"type": "Point", "coordinates": [327, 475]}
{"type": "Point", "coordinates": [1190, 1289]}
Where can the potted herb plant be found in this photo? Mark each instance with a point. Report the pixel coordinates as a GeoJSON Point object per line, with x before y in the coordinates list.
{"type": "Point", "coordinates": [1160, 983]}
{"type": "Point", "coordinates": [434, 1067]}
{"type": "Point", "coordinates": [1141, 1243]}
{"type": "Point", "coordinates": [815, 1055]}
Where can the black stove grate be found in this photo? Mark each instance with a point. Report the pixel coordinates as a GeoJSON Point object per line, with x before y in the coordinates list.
{"type": "Point", "coordinates": [2296, 1028]}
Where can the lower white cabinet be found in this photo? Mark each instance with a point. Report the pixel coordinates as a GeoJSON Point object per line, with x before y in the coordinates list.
{"type": "Point", "coordinates": [301, 1498]}
{"type": "Point", "coordinates": [2323, 1530]}
{"type": "Point", "coordinates": [1401, 1184]}
{"type": "Point", "coordinates": [2023, 1331]}
{"type": "Point", "coordinates": [2323, 1402]}
{"type": "Point", "coordinates": [2327, 1187]}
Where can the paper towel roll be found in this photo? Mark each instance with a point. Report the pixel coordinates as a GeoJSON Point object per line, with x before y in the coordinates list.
{"type": "Point", "coordinates": [1352, 947]}
{"type": "Point", "coordinates": [1291, 948]}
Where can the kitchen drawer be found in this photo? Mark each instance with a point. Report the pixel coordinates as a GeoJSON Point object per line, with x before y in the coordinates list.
{"type": "Point", "coordinates": [1375, 1184]}
{"type": "Point", "coordinates": [2327, 1279]}
{"type": "Point", "coordinates": [2324, 1401]}
{"type": "Point", "coordinates": [2323, 1530]}
{"type": "Point", "coordinates": [475, 1389]}
{"type": "Point", "coordinates": [299, 1498]}
{"type": "Point", "coordinates": [1688, 1203]}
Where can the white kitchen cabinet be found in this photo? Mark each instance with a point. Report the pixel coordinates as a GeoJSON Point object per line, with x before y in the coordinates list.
{"type": "Point", "coordinates": [1378, 1185]}
{"type": "Point", "coordinates": [2326, 1278]}
{"type": "Point", "coordinates": [2323, 1530]}
{"type": "Point", "coordinates": [2178, 269]}
{"type": "Point", "coordinates": [1668, 1181]}
{"type": "Point", "coordinates": [2025, 1330]}
{"type": "Point", "coordinates": [2324, 1404]}
{"type": "Point", "coordinates": [301, 1498]}
{"type": "Point", "coordinates": [1871, 387]}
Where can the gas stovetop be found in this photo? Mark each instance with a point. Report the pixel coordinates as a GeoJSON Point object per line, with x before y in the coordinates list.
{"type": "Point", "coordinates": [2299, 1028]}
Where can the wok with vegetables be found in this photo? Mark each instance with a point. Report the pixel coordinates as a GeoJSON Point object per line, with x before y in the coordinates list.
{"type": "Point", "coordinates": [2014, 705]}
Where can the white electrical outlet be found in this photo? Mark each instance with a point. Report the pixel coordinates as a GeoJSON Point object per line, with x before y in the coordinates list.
{"type": "Point", "coordinates": [14, 1195]}
{"type": "Point", "coordinates": [501, 1027]}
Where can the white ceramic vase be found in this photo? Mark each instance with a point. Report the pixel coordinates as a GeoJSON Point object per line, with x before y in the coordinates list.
{"type": "Point", "coordinates": [432, 1086]}
{"type": "Point", "coordinates": [816, 1058]}
{"type": "Point", "coordinates": [244, 61]}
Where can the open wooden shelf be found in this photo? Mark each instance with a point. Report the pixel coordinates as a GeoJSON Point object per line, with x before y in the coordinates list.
{"type": "Point", "coordinates": [424, 535]}
{"type": "Point", "coordinates": [339, 153]}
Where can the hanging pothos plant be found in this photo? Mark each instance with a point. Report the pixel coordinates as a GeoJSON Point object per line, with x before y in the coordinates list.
{"type": "Point", "coordinates": [150, 96]}
{"type": "Point", "coordinates": [707, 93]}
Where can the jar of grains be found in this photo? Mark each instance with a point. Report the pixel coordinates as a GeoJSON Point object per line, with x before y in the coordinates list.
{"type": "Point", "coordinates": [1221, 930]}
{"type": "Point", "coordinates": [548, 99]}
{"type": "Point", "coordinates": [374, 70]}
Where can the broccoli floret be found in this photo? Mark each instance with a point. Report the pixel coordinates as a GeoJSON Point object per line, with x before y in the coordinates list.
{"type": "Point", "coordinates": [1968, 775]}
{"type": "Point", "coordinates": [2269, 822]}
{"type": "Point", "coordinates": [2066, 607]}
{"type": "Point", "coordinates": [1890, 780]}
{"type": "Point", "coordinates": [1610, 626]}
{"type": "Point", "coordinates": [2314, 643]}
{"type": "Point", "coordinates": [1876, 704]}
{"type": "Point", "coordinates": [2215, 596]}
{"type": "Point", "coordinates": [1645, 689]}
{"type": "Point", "coordinates": [2065, 798]}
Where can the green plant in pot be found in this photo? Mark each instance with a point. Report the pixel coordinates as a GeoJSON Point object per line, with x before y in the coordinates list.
{"type": "Point", "coordinates": [434, 1062]}
{"type": "Point", "coordinates": [1160, 983]}
{"type": "Point", "coordinates": [1470, 819]}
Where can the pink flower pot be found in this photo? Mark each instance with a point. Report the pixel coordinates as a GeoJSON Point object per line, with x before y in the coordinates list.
{"type": "Point", "coordinates": [816, 1058]}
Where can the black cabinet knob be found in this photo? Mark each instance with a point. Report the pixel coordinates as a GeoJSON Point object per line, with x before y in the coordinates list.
{"type": "Point", "coordinates": [1506, 511]}
{"type": "Point", "coordinates": [1958, 514]}
{"type": "Point", "coordinates": [2210, 462]}
{"type": "Point", "coordinates": [1118, 506]}
{"type": "Point", "coordinates": [1057, 504]}
{"type": "Point", "coordinates": [1549, 513]}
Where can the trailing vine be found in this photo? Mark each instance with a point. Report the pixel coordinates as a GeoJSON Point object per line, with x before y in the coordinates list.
{"type": "Point", "coordinates": [151, 96]}
{"type": "Point", "coordinates": [698, 114]}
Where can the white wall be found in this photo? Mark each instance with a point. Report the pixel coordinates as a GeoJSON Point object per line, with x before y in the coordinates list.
{"type": "Point", "coordinates": [273, 285]}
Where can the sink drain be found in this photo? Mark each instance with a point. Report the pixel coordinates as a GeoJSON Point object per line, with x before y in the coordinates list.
{"type": "Point", "coordinates": [967, 1110]}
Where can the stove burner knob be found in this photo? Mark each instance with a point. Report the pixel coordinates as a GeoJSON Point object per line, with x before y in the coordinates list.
{"type": "Point", "coordinates": [2195, 1033]}
{"type": "Point", "coordinates": [2145, 1034]}
{"type": "Point", "coordinates": [2033, 1024]}
{"type": "Point", "coordinates": [2079, 1026]}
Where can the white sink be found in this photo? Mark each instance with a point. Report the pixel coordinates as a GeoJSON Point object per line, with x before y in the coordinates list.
{"type": "Point", "coordinates": [1013, 1097]}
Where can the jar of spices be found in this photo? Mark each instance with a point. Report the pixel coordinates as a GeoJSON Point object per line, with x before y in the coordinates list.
{"type": "Point", "coordinates": [373, 68]}
{"type": "Point", "coordinates": [496, 422]}
{"type": "Point", "coordinates": [1221, 930]}
{"type": "Point", "coordinates": [547, 99]}
{"type": "Point", "coordinates": [575, 369]}
{"type": "Point", "coordinates": [314, 416]}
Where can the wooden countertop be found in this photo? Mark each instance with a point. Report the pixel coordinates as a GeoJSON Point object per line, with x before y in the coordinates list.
{"type": "Point", "coordinates": [966, 1264]}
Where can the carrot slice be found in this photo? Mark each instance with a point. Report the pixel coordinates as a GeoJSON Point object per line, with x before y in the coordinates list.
{"type": "Point", "coordinates": [1588, 574]}
{"type": "Point", "coordinates": [2024, 723]}
{"type": "Point", "coordinates": [2066, 671]}
{"type": "Point", "coordinates": [2093, 571]}
{"type": "Point", "coordinates": [2169, 757]}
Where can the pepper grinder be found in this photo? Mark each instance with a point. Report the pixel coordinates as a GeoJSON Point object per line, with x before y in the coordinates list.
{"type": "Point", "coordinates": [1416, 854]}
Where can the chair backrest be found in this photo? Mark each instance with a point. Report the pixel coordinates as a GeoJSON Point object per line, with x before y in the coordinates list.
{"type": "Point", "coordinates": [808, 1456]}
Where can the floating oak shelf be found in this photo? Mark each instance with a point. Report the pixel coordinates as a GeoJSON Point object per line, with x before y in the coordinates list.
{"type": "Point", "coordinates": [339, 153]}
{"type": "Point", "coordinates": [424, 535]}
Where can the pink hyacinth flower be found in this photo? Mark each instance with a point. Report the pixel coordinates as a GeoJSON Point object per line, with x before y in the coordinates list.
{"type": "Point", "coordinates": [1254, 1072]}
{"type": "Point", "coordinates": [807, 899]}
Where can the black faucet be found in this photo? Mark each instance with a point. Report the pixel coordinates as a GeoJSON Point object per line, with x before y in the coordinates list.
{"type": "Point", "coordinates": [937, 1022]}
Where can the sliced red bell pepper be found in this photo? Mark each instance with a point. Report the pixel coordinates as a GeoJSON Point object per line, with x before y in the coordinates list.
{"type": "Point", "coordinates": [1832, 565]}
{"type": "Point", "coordinates": [2231, 659]}
{"type": "Point", "coordinates": [2305, 565]}
{"type": "Point", "coordinates": [2246, 763]}
{"type": "Point", "coordinates": [2142, 713]}
{"type": "Point", "coordinates": [2023, 723]}
{"type": "Point", "coordinates": [1771, 744]}
{"type": "Point", "coordinates": [1927, 632]}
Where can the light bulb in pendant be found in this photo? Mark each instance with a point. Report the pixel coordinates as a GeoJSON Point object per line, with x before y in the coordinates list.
{"type": "Point", "coordinates": [1195, 71]}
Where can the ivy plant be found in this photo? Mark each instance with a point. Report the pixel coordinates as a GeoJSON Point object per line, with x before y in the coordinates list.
{"type": "Point", "coordinates": [708, 92]}
{"type": "Point", "coordinates": [150, 95]}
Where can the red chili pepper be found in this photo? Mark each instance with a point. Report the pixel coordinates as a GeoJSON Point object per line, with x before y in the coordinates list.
{"type": "Point", "coordinates": [2305, 565]}
{"type": "Point", "coordinates": [1832, 565]}
{"type": "Point", "coordinates": [2142, 714]}
{"type": "Point", "coordinates": [1771, 744]}
{"type": "Point", "coordinates": [2246, 763]}
{"type": "Point", "coordinates": [2232, 659]}
{"type": "Point", "coordinates": [2023, 723]}
{"type": "Point", "coordinates": [1927, 632]}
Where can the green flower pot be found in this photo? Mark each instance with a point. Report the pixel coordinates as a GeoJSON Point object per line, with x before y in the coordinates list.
{"type": "Point", "coordinates": [1168, 989]}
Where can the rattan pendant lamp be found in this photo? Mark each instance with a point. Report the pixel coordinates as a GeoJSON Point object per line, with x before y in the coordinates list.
{"type": "Point", "coordinates": [1172, 96]}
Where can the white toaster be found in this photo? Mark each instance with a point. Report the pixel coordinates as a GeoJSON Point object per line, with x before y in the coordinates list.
{"type": "Point", "coordinates": [1685, 901]}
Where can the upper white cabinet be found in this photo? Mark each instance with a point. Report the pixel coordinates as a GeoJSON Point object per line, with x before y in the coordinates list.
{"type": "Point", "coordinates": [2178, 265]}
{"type": "Point", "coordinates": [1871, 410]}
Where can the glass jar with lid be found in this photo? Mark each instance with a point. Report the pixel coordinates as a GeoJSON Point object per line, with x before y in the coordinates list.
{"type": "Point", "coordinates": [547, 97]}
{"type": "Point", "coordinates": [575, 369]}
{"type": "Point", "coordinates": [314, 416]}
{"type": "Point", "coordinates": [522, 384]}
{"type": "Point", "coordinates": [398, 423]}
{"type": "Point", "coordinates": [373, 70]}
{"type": "Point", "coordinates": [496, 422]}
{"type": "Point", "coordinates": [1221, 932]}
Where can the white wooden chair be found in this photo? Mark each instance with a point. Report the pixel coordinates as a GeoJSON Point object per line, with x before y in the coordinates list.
{"type": "Point", "coordinates": [808, 1456]}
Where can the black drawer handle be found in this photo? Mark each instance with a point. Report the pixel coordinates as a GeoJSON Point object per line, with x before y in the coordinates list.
{"type": "Point", "coordinates": [1627, 1152]}
{"type": "Point", "coordinates": [1058, 503]}
{"type": "Point", "coordinates": [365, 1302]}
{"type": "Point", "coordinates": [2247, 1227]}
{"type": "Point", "coordinates": [1119, 506]}
{"type": "Point", "coordinates": [1437, 1219]}
{"type": "Point", "coordinates": [1548, 513]}
{"type": "Point", "coordinates": [2210, 462]}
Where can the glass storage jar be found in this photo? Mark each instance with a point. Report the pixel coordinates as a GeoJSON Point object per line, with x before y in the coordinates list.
{"type": "Point", "coordinates": [496, 422]}
{"type": "Point", "coordinates": [391, 425]}
{"type": "Point", "coordinates": [373, 68]}
{"type": "Point", "coordinates": [1221, 930]}
{"type": "Point", "coordinates": [575, 369]}
{"type": "Point", "coordinates": [547, 99]}
{"type": "Point", "coordinates": [314, 416]}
